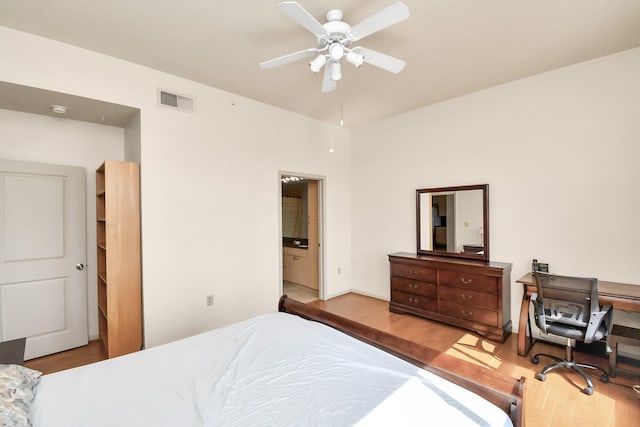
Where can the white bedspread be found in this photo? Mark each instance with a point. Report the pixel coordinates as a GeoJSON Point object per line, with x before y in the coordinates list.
{"type": "Point", "coordinates": [273, 370]}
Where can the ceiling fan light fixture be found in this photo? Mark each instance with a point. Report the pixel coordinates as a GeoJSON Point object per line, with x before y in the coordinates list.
{"type": "Point", "coordinates": [317, 63]}
{"type": "Point", "coordinates": [336, 51]}
{"type": "Point", "coordinates": [336, 71]}
{"type": "Point", "coordinates": [355, 59]}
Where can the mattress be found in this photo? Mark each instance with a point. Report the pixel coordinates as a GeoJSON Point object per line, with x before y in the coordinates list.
{"type": "Point", "coordinates": [276, 370]}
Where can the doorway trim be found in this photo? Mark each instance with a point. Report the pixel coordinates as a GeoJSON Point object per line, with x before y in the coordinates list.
{"type": "Point", "coordinates": [321, 229]}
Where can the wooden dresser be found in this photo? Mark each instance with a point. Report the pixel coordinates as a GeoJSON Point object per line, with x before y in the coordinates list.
{"type": "Point", "coordinates": [470, 294]}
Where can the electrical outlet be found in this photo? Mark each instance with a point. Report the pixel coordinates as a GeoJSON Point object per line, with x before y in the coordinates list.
{"type": "Point", "coordinates": [209, 300]}
{"type": "Point", "coordinates": [339, 270]}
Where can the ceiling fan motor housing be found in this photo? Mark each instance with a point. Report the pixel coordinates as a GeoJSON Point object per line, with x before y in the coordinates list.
{"type": "Point", "coordinates": [334, 15]}
{"type": "Point", "coordinates": [336, 32]}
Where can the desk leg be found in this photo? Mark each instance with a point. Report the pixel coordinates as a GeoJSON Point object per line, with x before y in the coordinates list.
{"type": "Point", "coordinates": [524, 342]}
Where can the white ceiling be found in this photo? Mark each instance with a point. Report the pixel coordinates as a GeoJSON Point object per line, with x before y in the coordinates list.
{"type": "Point", "coordinates": [39, 101]}
{"type": "Point", "coordinates": [452, 47]}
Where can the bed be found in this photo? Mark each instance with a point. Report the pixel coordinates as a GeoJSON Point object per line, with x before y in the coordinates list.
{"type": "Point", "coordinates": [298, 366]}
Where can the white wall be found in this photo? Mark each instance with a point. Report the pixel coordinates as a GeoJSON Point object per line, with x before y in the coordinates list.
{"type": "Point", "coordinates": [43, 139]}
{"type": "Point", "coordinates": [132, 139]}
{"type": "Point", "coordinates": [210, 188]}
{"type": "Point", "coordinates": [560, 152]}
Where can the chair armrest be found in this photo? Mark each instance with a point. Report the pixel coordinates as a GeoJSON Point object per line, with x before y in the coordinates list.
{"type": "Point", "coordinates": [609, 309]}
{"type": "Point", "coordinates": [609, 320]}
{"type": "Point", "coordinates": [595, 320]}
{"type": "Point", "coordinates": [538, 310]}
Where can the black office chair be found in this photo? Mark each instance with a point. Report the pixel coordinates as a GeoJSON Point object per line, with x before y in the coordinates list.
{"type": "Point", "coordinates": [568, 307]}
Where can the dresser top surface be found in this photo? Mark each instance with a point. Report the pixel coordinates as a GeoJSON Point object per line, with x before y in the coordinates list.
{"type": "Point", "coordinates": [451, 261]}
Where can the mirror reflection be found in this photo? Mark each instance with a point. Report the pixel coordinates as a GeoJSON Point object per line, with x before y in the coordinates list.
{"type": "Point", "coordinates": [453, 221]}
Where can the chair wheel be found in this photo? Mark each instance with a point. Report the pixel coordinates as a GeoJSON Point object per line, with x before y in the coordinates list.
{"type": "Point", "coordinates": [535, 360]}
{"type": "Point", "coordinates": [588, 390]}
{"type": "Point", "coordinates": [541, 376]}
{"type": "Point", "coordinates": [604, 378]}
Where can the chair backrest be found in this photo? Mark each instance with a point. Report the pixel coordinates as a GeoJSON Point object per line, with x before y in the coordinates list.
{"type": "Point", "coordinates": [567, 299]}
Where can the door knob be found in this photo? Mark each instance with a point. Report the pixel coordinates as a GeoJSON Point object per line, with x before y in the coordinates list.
{"type": "Point", "coordinates": [79, 266]}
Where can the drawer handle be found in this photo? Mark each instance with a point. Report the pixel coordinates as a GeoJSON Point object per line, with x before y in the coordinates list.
{"type": "Point", "coordinates": [412, 286]}
{"type": "Point", "coordinates": [466, 297]}
{"type": "Point", "coordinates": [296, 257]}
{"type": "Point", "coordinates": [413, 300]}
{"type": "Point", "coordinates": [466, 281]}
{"type": "Point", "coordinates": [467, 314]}
{"type": "Point", "coordinates": [414, 272]}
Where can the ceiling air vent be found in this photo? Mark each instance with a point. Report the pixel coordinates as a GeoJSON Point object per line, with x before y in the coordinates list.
{"type": "Point", "coordinates": [174, 100]}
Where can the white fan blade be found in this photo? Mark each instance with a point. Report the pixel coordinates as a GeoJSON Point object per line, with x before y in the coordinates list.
{"type": "Point", "coordinates": [276, 62]}
{"type": "Point", "coordinates": [381, 60]}
{"type": "Point", "coordinates": [385, 18]}
{"type": "Point", "coordinates": [302, 17]}
{"type": "Point", "coordinates": [327, 83]}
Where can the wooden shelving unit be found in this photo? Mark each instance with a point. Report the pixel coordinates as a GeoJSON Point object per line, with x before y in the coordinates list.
{"type": "Point", "coordinates": [118, 251]}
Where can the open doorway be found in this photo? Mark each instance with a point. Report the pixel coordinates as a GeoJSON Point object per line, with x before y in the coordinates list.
{"type": "Point", "coordinates": [301, 232]}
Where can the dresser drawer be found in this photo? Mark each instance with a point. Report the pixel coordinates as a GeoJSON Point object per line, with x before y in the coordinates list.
{"type": "Point", "coordinates": [414, 287]}
{"type": "Point", "coordinates": [470, 294]}
{"type": "Point", "coordinates": [409, 271]}
{"type": "Point", "coordinates": [469, 281]}
{"type": "Point", "coordinates": [417, 301]}
{"type": "Point", "coordinates": [469, 297]}
{"type": "Point", "coordinates": [472, 314]}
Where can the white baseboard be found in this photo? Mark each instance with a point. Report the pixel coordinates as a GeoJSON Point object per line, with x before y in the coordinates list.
{"type": "Point", "coordinates": [354, 291]}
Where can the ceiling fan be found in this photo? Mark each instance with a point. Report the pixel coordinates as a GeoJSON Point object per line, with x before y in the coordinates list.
{"type": "Point", "coordinates": [335, 38]}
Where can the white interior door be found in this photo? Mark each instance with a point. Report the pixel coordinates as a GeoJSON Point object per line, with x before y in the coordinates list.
{"type": "Point", "coordinates": [43, 283]}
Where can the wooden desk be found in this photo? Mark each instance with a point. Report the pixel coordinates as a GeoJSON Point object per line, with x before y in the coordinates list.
{"type": "Point", "coordinates": [622, 296]}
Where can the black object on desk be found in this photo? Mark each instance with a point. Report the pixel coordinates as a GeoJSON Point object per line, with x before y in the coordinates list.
{"type": "Point", "coordinates": [12, 352]}
{"type": "Point", "coordinates": [542, 267]}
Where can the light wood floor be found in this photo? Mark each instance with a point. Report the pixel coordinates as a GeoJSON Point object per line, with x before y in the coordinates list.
{"type": "Point", "coordinates": [299, 292]}
{"type": "Point", "coordinates": [93, 352]}
{"type": "Point", "coordinates": [555, 402]}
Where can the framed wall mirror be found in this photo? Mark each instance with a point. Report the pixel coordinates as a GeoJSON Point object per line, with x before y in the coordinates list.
{"type": "Point", "coordinates": [453, 221]}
